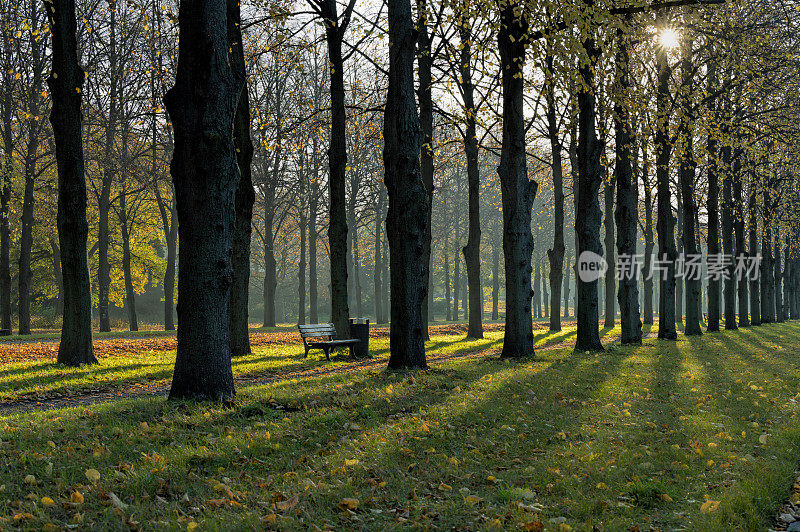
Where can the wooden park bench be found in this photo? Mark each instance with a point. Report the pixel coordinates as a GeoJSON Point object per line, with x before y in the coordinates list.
{"type": "Point", "coordinates": [322, 336]}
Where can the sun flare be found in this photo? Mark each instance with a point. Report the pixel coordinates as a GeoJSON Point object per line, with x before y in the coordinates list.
{"type": "Point", "coordinates": [669, 38]}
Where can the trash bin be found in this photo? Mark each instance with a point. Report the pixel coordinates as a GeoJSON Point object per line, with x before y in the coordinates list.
{"type": "Point", "coordinates": [359, 330]}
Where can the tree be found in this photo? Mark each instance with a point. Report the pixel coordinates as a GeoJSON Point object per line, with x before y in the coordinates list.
{"type": "Point", "coordinates": [517, 190]}
{"type": "Point", "coordinates": [627, 213]}
{"type": "Point", "coordinates": [245, 196]}
{"type": "Point", "coordinates": [409, 201]}
{"type": "Point", "coordinates": [65, 84]}
{"type": "Point", "coordinates": [202, 106]}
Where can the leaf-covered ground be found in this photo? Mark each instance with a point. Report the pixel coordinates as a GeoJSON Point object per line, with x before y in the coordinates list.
{"type": "Point", "coordinates": [700, 434]}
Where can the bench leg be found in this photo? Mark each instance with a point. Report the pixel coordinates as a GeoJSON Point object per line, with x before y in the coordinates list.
{"type": "Point", "coordinates": [327, 353]}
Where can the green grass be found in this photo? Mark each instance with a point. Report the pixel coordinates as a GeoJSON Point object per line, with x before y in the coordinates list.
{"type": "Point", "coordinates": [649, 436]}
{"type": "Point", "coordinates": [49, 335]}
{"type": "Point", "coordinates": [45, 379]}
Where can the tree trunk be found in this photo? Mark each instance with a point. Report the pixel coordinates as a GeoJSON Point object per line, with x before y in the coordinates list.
{"type": "Point", "coordinates": [409, 199]}
{"type": "Point", "coordinates": [378, 273]}
{"type": "Point", "coordinates": [778, 276]}
{"type": "Point", "coordinates": [425, 96]}
{"type": "Point", "coordinates": [687, 176]}
{"type": "Point", "coordinates": [313, 293]}
{"type": "Point", "coordinates": [518, 191]}
{"type": "Point", "coordinates": [5, 184]}
{"type": "Point", "coordinates": [337, 160]}
{"type": "Point", "coordinates": [456, 286]}
{"type": "Point", "coordinates": [108, 171]}
{"type": "Point", "coordinates": [738, 225]}
{"type": "Point", "coordinates": [26, 245]}
{"type": "Point", "coordinates": [728, 240]}
{"type": "Point", "coordinates": [301, 270]}
{"type": "Point", "coordinates": [73, 229]}
{"type": "Point", "coordinates": [609, 286]}
{"type": "Point", "coordinates": [472, 251]}
{"type": "Point", "coordinates": [588, 214]}
{"type": "Point", "coordinates": [649, 243]}
{"type": "Point", "coordinates": [130, 294]}
{"type": "Point", "coordinates": [245, 195]}
{"type": "Point", "coordinates": [665, 225]}
{"type": "Point", "coordinates": [767, 298]}
{"type": "Point", "coordinates": [202, 107]}
{"type": "Point", "coordinates": [555, 255]}
{"type": "Point", "coordinates": [495, 279]}
{"type": "Point", "coordinates": [712, 206]}
{"type": "Point", "coordinates": [56, 252]}
{"type": "Point", "coordinates": [627, 213]}
{"type": "Point", "coordinates": [447, 300]}
{"type": "Point", "coordinates": [755, 292]}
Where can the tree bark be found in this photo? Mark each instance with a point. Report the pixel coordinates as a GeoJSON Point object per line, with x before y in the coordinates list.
{"type": "Point", "coordinates": [5, 184]}
{"type": "Point", "coordinates": [245, 195]}
{"type": "Point", "coordinates": [588, 215]}
{"type": "Point", "coordinates": [518, 192]}
{"type": "Point", "coordinates": [649, 243]}
{"type": "Point", "coordinates": [755, 292]}
{"type": "Point", "coordinates": [555, 255]}
{"type": "Point", "coordinates": [472, 251]}
{"type": "Point", "coordinates": [665, 224]}
{"type": "Point", "coordinates": [409, 199]}
{"type": "Point", "coordinates": [712, 206]}
{"type": "Point", "coordinates": [627, 213]}
{"type": "Point", "coordinates": [337, 160]}
{"type": "Point", "coordinates": [727, 238]}
{"type": "Point", "coordinates": [202, 106]}
{"type": "Point", "coordinates": [687, 177]}
{"type": "Point", "coordinates": [378, 273]}
{"type": "Point", "coordinates": [738, 226]}
{"type": "Point", "coordinates": [107, 178]}
{"type": "Point", "coordinates": [425, 96]}
{"type": "Point", "coordinates": [73, 229]}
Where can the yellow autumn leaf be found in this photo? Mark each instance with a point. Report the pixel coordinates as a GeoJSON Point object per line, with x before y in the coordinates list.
{"type": "Point", "coordinates": [76, 497]}
{"type": "Point", "coordinates": [472, 500]}
{"type": "Point", "coordinates": [47, 502]}
{"type": "Point", "coordinates": [348, 504]}
{"type": "Point", "coordinates": [709, 506]}
{"type": "Point", "coordinates": [93, 475]}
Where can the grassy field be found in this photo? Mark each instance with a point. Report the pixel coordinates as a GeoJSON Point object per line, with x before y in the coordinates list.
{"type": "Point", "coordinates": [700, 434]}
{"type": "Point", "coordinates": [127, 364]}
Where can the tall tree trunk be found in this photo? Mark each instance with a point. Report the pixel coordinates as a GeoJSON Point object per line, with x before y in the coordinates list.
{"type": "Point", "coordinates": [456, 286]}
{"type": "Point", "coordinates": [649, 243]}
{"type": "Point", "coordinates": [6, 178]}
{"type": "Point", "coordinates": [449, 315]}
{"type": "Point", "coordinates": [727, 239]}
{"type": "Point", "coordinates": [495, 279]}
{"type": "Point", "coordinates": [738, 225]}
{"type": "Point", "coordinates": [555, 255]}
{"type": "Point", "coordinates": [313, 293]}
{"type": "Point", "coordinates": [472, 251]}
{"type": "Point", "coordinates": [767, 268]}
{"type": "Point", "coordinates": [517, 190]}
{"type": "Point", "coordinates": [712, 206]}
{"type": "Point", "coordinates": [26, 245]}
{"type": "Point", "coordinates": [778, 276]}
{"type": "Point", "coordinates": [425, 96]}
{"type": "Point", "coordinates": [409, 199]}
{"type": "Point", "coordinates": [588, 214]}
{"type": "Point", "coordinates": [130, 294]}
{"type": "Point", "coordinates": [337, 160]}
{"type": "Point", "coordinates": [609, 285]}
{"type": "Point", "coordinates": [378, 273]}
{"type": "Point", "coordinates": [109, 169]}
{"type": "Point", "coordinates": [73, 229]}
{"type": "Point", "coordinates": [566, 292]}
{"type": "Point", "coordinates": [665, 225]}
{"type": "Point", "coordinates": [245, 195]}
{"type": "Point", "coordinates": [202, 106]}
{"type": "Point", "coordinates": [755, 292]}
{"type": "Point", "coordinates": [627, 213]}
{"type": "Point", "coordinates": [687, 176]}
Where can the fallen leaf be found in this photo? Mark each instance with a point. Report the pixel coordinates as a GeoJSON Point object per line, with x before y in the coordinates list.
{"type": "Point", "coordinates": [348, 504]}
{"type": "Point", "coordinates": [93, 475]}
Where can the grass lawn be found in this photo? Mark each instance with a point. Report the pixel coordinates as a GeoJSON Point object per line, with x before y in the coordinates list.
{"type": "Point", "coordinates": [127, 368]}
{"type": "Point", "coordinates": [700, 434]}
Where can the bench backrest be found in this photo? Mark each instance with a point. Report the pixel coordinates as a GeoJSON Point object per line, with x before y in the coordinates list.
{"type": "Point", "coordinates": [318, 330]}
